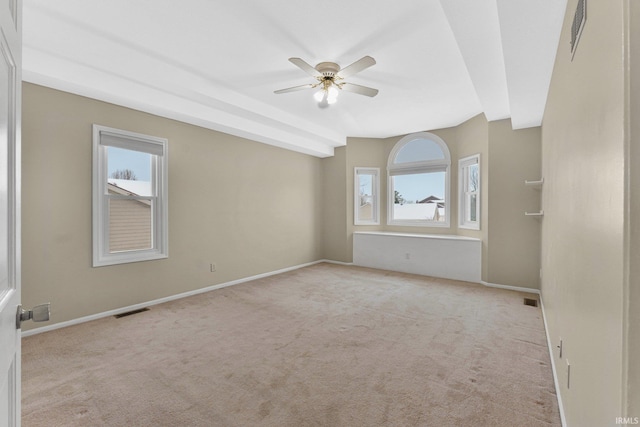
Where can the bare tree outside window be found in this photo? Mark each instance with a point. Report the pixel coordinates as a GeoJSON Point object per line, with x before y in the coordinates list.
{"type": "Point", "coordinates": [473, 178]}
{"type": "Point", "coordinates": [124, 174]}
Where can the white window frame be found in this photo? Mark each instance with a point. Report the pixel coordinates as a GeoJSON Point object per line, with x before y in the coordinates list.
{"type": "Point", "coordinates": [410, 168]}
{"type": "Point", "coordinates": [464, 209]}
{"type": "Point", "coordinates": [104, 137]}
{"type": "Point", "coordinates": [375, 189]}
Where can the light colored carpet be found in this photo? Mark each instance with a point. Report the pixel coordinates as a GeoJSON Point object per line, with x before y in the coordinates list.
{"type": "Point", "coordinates": [325, 345]}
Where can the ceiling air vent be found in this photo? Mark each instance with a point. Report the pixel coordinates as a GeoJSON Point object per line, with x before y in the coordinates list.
{"type": "Point", "coordinates": [578, 24]}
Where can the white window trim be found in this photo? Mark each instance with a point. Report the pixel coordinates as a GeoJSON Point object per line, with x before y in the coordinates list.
{"type": "Point", "coordinates": [419, 167]}
{"type": "Point", "coordinates": [376, 195]}
{"type": "Point", "coordinates": [160, 250]}
{"type": "Point", "coordinates": [463, 164]}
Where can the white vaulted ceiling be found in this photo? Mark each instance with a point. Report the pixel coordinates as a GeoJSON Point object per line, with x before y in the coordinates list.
{"type": "Point", "coordinates": [216, 63]}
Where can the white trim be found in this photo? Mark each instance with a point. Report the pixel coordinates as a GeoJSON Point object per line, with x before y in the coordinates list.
{"type": "Point", "coordinates": [420, 235]}
{"type": "Point", "coordinates": [511, 288]}
{"type": "Point", "coordinates": [170, 298]}
{"type": "Point", "coordinates": [563, 419]}
{"type": "Point", "coordinates": [375, 189]}
{"type": "Point", "coordinates": [394, 169]}
{"type": "Point", "coordinates": [158, 147]}
{"type": "Point", "coordinates": [330, 261]}
{"type": "Point", "coordinates": [535, 184]}
{"type": "Point", "coordinates": [463, 167]}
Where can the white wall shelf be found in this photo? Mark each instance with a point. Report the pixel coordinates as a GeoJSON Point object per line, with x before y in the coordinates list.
{"type": "Point", "coordinates": [535, 184]}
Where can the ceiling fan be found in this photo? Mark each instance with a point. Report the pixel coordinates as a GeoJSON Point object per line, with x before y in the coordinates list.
{"type": "Point", "coordinates": [330, 78]}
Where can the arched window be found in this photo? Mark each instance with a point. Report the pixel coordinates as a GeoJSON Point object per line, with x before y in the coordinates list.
{"type": "Point", "coordinates": [418, 170]}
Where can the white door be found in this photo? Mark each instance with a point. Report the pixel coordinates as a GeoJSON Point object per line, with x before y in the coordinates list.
{"type": "Point", "coordinates": [10, 107]}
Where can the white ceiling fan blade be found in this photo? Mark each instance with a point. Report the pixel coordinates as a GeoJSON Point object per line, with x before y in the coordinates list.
{"type": "Point", "coordinates": [360, 90]}
{"type": "Point", "coordinates": [356, 67]}
{"type": "Point", "coordinates": [305, 67]}
{"type": "Point", "coordinates": [295, 88]}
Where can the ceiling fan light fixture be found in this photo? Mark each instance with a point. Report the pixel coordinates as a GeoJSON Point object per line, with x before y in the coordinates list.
{"type": "Point", "coordinates": [330, 78]}
{"type": "Point", "coordinates": [332, 94]}
{"type": "Point", "coordinates": [328, 94]}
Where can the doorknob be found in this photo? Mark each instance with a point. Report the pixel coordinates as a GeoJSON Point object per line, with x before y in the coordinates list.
{"type": "Point", "coordinates": [39, 313]}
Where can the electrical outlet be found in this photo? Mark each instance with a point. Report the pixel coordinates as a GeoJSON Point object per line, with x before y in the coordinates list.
{"type": "Point", "coordinates": [212, 267]}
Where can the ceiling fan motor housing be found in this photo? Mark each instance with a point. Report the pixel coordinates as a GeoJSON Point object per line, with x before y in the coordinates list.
{"type": "Point", "coordinates": [328, 69]}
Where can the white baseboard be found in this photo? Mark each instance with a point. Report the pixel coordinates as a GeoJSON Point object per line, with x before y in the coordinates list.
{"type": "Point", "coordinates": [511, 288]}
{"type": "Point", "coordinates": [330, 261]}
{"type": "Point", "coordinates": [563, 420]}
{"type": "Point", "coordinates": [167, 299]}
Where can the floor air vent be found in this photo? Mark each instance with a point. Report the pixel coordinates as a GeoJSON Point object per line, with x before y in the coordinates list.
{"type": "Point", "coordinates": [531, 302]}
{"type": "Point", "coordinates": [129, 313]}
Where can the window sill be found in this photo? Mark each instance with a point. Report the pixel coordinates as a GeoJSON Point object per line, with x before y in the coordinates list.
{"type": "Point", "coordinates": [420, 236]}
{"type": "Point", "coordinates": [469, 227]}
{"type": "Point", "coordinates": [420, 224]}
{"type": "Point", "coordinates": [126, 258]}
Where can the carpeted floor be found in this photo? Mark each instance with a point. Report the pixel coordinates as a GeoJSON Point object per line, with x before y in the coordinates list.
{"type": "Point", "coordinates": [325, 345]}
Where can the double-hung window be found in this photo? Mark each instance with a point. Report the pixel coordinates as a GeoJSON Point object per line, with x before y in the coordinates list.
{"type": "Point", "coordinates": [366, 199]}
{"type": "Point", "coordinates": [418, 189]}
{"type": "Point", "coordinates": [469, 192]}
{"type": "Point", "coordinates": [130, 189]}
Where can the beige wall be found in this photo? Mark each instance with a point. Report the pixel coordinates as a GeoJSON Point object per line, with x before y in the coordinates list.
{"type": "Point", "coordinates": [583, 164]}
{"type": "Point", "coordinates": [334, 206]}
{"type": "Point", "coordinates": [514, 239]}
{"type": "Point", "coordinates": [473, 138]}
{"type": "Point", "coordinates": [363, 152]}
{"type": "Point", "coordinates": [507, 158]}
{"type": "Point", "coordinates": [248, 207]}
{"type": "Point", "coordinates": [632, 294]}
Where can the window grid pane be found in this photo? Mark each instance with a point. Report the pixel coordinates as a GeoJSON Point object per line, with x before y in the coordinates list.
{"type": "Point", "coordinates": [130, 224]}
{"type": "Point", "coordinates": [469, 172]}
{"type": "Point", "coordinates": [418, 151]}
{"type": "Point", "coordinates": [473, 211]}
{"type": "Point", "coordinates": [365, 206]}
{"type": "Point", "coordinates": [366, 202]}
{"type": "Point", "coordinates": [472, 176]}
{"type": "Point", "coordinates": [419, 197]}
